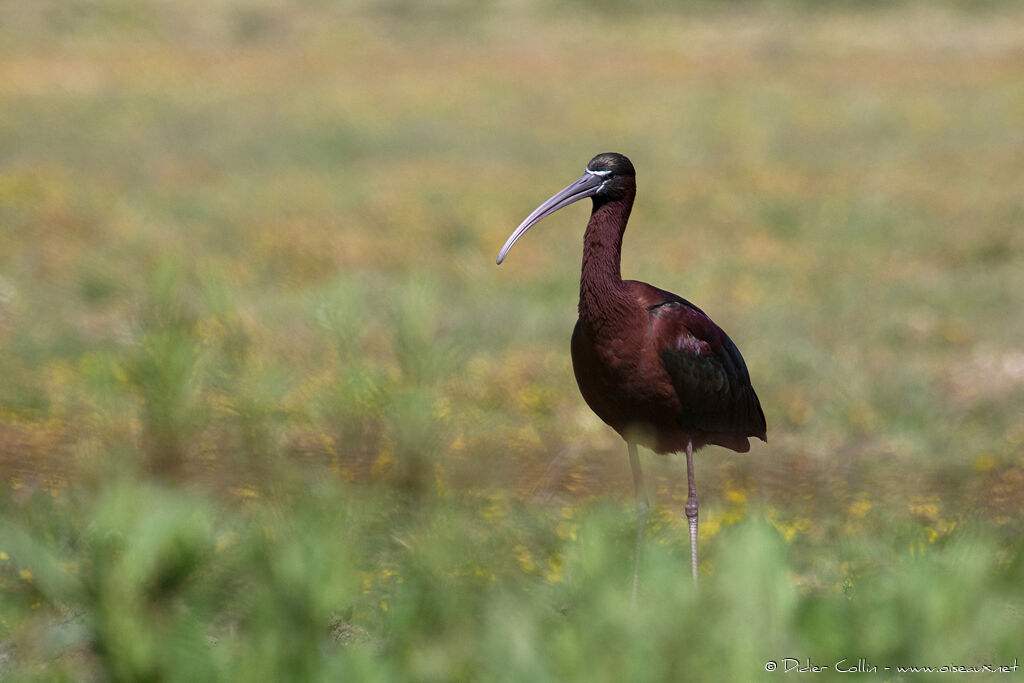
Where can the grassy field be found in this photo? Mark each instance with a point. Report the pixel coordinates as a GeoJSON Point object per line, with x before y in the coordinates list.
{"type": "Point", "coordinates": [269, 411]}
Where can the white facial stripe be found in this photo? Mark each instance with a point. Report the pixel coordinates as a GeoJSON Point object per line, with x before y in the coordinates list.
{"type": "Point", "coordinates": [600, 174]}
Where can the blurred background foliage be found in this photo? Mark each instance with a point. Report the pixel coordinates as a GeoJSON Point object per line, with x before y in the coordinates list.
{"type": "Point", "coordinates": [268, 410]}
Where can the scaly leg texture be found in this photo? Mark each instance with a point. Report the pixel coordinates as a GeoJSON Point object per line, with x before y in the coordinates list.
{"type": "Point", "coordinates": [691, 509]}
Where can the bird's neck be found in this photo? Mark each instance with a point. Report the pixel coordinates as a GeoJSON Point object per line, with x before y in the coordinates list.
{"type": "Point", "coordinates": [603, 297]}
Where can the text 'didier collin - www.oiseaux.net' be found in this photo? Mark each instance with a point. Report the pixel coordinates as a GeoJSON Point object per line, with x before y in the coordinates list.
{"type": "Point", "coordinates": [787, 665]}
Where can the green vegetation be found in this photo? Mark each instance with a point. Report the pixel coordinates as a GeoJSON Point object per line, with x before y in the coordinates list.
{"type": "Point", "coordinates": [269, 411]}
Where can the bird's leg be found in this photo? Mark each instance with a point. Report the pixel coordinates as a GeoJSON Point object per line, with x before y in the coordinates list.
{"type": "Point", "coordinates": [691, 509]}
{"type": "Point", "coordinates": [643, 511]}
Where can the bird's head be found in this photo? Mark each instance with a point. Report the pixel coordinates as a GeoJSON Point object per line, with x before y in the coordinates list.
{"type": "Point", "coordinates": [608, 176]}
{"type": "Point", "coordinates": [616, 172]}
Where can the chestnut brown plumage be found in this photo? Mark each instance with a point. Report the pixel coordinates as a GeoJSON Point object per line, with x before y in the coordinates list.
{"type": "Point", "coordinates": [652, 365]}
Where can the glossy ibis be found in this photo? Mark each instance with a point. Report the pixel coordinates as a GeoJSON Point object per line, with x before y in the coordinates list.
{"type": "Point", "coordinates": [649, 363]}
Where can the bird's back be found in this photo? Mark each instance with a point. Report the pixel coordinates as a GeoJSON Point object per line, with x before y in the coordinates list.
{"type": "Point", "coordinates": [668, 376]}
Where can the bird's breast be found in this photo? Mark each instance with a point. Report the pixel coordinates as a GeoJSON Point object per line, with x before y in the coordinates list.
{"type": "Point", "coordinates": [620, 377]}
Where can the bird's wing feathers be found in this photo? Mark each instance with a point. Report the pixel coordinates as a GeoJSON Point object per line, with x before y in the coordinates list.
{"type": "Point", "coordinates": [707, 371]}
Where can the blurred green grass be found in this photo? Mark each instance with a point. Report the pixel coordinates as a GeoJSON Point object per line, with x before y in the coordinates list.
{"type": "Point", "coordinates": [269, 410]}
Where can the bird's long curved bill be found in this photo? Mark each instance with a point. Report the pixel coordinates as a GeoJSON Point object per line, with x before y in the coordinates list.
{"type": "Point", "coordinates": [586, 186]}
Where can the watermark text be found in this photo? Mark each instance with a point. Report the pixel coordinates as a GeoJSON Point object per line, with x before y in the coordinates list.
{"type": "Point", "coordinates": [787, 665]}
